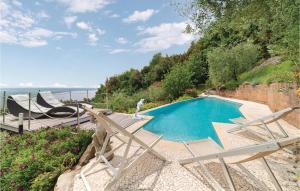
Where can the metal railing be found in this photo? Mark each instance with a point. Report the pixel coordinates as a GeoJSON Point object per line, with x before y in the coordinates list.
{"type": "Point", "coordinates": [31, 102]}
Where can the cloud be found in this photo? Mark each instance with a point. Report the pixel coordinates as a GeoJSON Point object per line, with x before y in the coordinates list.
{"type": "Point", "coordinates": [94, 32]}
{"type": "Point", "coordinates": [17, 26]}
{"type": "Point", "coordinates": [92, 38]}
{"type": "Point", "coordinates": [42, 14]}
{"type": "Point", "coordinates": [3, 85]}
{"type": "Point", "coordinates": [119, 50]}
{"type": "Point", "coordinates": [69, 20]}
{"type": "Point", "coordinates": [84, 26]}
{"type": "Point", "coordinates": [122, 40]}
{"type": "Point", "coordinates": [140, 16]}
{"type": "Point", "coordinates": [110, 14]}
{"type": "Point", "coordinates": [80, 6]}
{"type": "Point", "coordinates": [58, 48]}
{"type": "Point", "coordinates": [58, 85]}
{"type": "Point", "coordinates": [17, 3]}
{"type": "Point", "coordinates": [7, 38]}
{"type": "Point", "coordinates": [114, 15]}
{"type": "Point", "coordinates": [164, 36]}
{"type": "Point", "coordinates": [26, 84]}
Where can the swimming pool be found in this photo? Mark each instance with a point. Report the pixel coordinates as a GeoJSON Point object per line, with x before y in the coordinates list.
{"type": "Point", "coordinates": [192, 119]}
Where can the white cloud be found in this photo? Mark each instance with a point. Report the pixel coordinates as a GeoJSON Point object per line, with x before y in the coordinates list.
{"type": "Point", "coordinates": [100, 31]}
{"type": "Point", "coordinates": [140, 16]}
{"type": "Point", "coordinates": [82, 6]}
{"type": "Point", "coordinates": [33, 42]}
{"type": "Point", "coordinates": [110, 14]}
{"type": "Point", "coordinates": [3, 85]}
{"type": "Point", "coordinates": [17, 3]}
{"type": "Point", "coordinates": [119, 50]}
{"type": "Point", "coordinates": [21, 20]}
{"type": "Point", "coordinates": [58, 85]}
{"type": "Point", "coordinates": [114, 15]}
{"type": "Point", "coordinates": [164, 36]}
{"type": "Point", "coordinates": [69, 20]}
{"type": "Point", "coordinates": [58, 48]}
{"type": "Point", "coordinates": [17, 26]}
{"type": "Point", "coordinates": [26, 84]}
{"type": "Point", "coordinates": [84, 26]}
{"type": "Point", "coordinates": [122, 40]}
{"type": "Point", "coordinates": [92, 38]}
{"type": "Point", "coordinates": [7, 38]}
{"type": "Point", "coordinates": [42, 14]}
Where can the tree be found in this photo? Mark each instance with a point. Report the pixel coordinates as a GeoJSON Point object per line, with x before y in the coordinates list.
{"type": "Point", "coordinates": [178, 80]}
{"type": "Point", "coordinates": [226, 64]}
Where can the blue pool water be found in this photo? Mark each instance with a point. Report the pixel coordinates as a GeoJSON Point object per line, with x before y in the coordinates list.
{"type": "Point", "coordinates": [192, 119]}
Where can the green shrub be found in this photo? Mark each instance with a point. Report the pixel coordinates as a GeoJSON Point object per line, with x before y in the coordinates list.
{"type": "Point", "coordinates": [182, 98]}
{"type": "Point", "coordinates": [191, 92]}
{"type": "Point", "coordinates": [156, 93]}
{"type": "Point", "coordinates": [150, 105]}
{"type": "Point", "coordinates": [178, 80]}
{"type": "Point", "coordinates": [34, 160]}
{"type": "Point", "coordinates": [226, 64]}
{"type": "Point", "coordinates": [231, 85]}
{"type": "Point", "coordinates": [281, 76]}
{"type": "Point", "coordinates": [121, 102]}
{"type": "Point", "coordinates": [267, 74]}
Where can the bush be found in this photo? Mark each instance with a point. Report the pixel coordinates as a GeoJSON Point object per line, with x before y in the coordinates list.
{"type": "Point", "coordinates": [177, 81]}
{"type": "Point", "coordinates": [231, 85]}
{"type": "Point", "coordinates": [281, 76]}
{"type": "Point", "coordinates": [191, 92]}
{"type": "Point", "coordinates": [121, 102]}
{"type": "Point", "coordinates": [184, 97]}
{"type": "Point", "coordinates": [150, 105]}
{"type": "Point", "coordinates": [34, 160]}
{"type": "Point", "coordinates": [156, 93]}
{"type": "Point", "coordinates": [225, 65]}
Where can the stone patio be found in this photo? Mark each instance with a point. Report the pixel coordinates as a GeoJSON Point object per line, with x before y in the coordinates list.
{"type": "Point", "coordinates": [154, 174]}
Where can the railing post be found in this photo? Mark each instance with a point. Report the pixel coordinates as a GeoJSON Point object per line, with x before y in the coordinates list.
{"type": "Point", "coordinates": [3, 108]}
{"type": "Point", "coordinates": [106, 100]}
{"type": "Point", "coordinates": [20, 123]}
{"type": "Point", "coordinates": [87, 95]}
{"type": "Point", "coordinates": [29, 112]}
{"type": "Point", "coordinates": [70, 96]}
{"type": "Point", "coordinates": [77, 115]}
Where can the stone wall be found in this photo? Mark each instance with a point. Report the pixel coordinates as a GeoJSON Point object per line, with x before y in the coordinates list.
{"type": "Point", "coordinates": [277, 96]}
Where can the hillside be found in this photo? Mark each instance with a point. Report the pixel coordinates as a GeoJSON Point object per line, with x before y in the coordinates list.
{"type": "Point", "coordinates": [240, 41]}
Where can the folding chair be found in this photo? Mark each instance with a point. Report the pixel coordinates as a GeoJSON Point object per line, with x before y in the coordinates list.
{"type": "Point", "coordinates": [258, 151]}
{"type": "Point", "coordinates": [263, 122]}
{"type": "Point", "coordinates": [115, 130]}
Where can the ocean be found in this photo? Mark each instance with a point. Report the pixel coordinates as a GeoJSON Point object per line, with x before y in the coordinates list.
{"type": "Point", "coordinates": [63, 94]}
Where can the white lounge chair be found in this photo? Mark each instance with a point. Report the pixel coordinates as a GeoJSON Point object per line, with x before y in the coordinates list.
{"type": "Point", "coordinates": [258, 151]}
{"type": "Point", "coordinates": [263, 122]}
{"type": "Point", "coordinates": [126, 138]}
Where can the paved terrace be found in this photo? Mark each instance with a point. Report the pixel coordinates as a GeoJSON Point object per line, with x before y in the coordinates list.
{"type": "Point", "coordinates": [153, 174]}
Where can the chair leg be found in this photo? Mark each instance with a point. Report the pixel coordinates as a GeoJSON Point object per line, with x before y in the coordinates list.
{"type": "Point", "coordinates": [271, 174]}
{"type": "Point", "coordinates": [210, 178]}
{"type": "Point", "coordinates": [227, 175]}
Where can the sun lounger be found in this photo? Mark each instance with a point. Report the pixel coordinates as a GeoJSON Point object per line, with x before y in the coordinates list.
{"type": "Point", "coordinates": [263, 122]}
{"type": "Point", "coordinates": [253, 152]}
{"type": "Point", "coordinates": [20, 104]}
{"type": "Point", "coordinates": [47, 99]}
{"type": "Point", "coordinates": [126, 138]}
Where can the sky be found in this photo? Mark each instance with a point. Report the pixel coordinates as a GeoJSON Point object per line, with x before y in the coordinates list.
{"type": "Point", "coordinates": [80, 43]}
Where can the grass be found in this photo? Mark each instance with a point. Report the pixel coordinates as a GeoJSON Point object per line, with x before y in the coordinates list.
{"type": "Point", "coordinates": [282, 72]}
{"type": "Point", "coordinates": [34, 160]}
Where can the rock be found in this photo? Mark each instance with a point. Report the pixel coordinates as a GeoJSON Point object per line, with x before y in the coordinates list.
{"type": "Point", "coordinates": [65, 181]}
{"type": "Point", "coordinates": [88, 154]}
